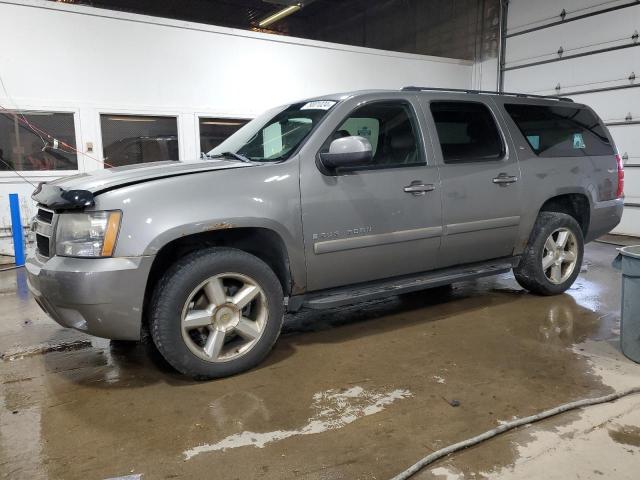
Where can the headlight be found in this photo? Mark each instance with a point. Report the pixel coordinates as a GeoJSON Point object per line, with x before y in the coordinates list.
{"type": "Point", "coordinates": [91, 234]}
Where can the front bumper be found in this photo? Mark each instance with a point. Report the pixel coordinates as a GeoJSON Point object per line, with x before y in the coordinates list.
{"type": "Point", "coordinates": [102, 296]}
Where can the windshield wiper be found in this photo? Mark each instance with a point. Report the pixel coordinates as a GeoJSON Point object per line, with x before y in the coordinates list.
{"type": "Point", "coordinates": [237, 156]}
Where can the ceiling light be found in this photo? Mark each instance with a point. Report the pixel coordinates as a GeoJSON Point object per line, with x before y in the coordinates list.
{"type": "Point", "coordinates": [132, 119]}
{"type": "Point", "coordinates": [222, 123]}
{"type": "Point", "coordinates": [279, 15]}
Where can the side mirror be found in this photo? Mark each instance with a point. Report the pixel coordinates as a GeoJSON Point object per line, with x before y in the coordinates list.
{"type": "Point", "coordinates": [347, 152]}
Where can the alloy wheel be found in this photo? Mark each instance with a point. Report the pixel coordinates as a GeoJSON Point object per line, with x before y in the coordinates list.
{"type": "Point", "coordinates": [224, 317]}
{"type": "Point", "coordinates": [560, 255]}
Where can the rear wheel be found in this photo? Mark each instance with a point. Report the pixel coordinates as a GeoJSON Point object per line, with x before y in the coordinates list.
{"type": "Point", "coordinates": [216, 312]}
{"type": "Point", "coordinates": [553, 257]}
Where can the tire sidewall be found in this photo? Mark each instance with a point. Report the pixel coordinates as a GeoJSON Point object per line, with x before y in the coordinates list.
{"type": "Point", "coordinates": [179, 282]}
{"type": "Point", "coordinates": [530, 271]}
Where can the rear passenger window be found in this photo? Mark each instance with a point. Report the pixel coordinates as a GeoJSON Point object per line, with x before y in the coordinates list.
{"type": "Point", "coordinates": [560, 130]}
{"type": "Point", "coordinates": [467, 132]}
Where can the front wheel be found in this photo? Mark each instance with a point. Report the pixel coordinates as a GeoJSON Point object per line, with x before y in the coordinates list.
{"type": "Point", "coordinates": [216, 312]}
{"type": "Point", "coordinates": [553, 257]}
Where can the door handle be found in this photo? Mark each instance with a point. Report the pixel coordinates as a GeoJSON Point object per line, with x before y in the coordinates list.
{"type": "Point", "coordinates": [503, 179]}
{"type": "Point", "coordinates": [418, 188]}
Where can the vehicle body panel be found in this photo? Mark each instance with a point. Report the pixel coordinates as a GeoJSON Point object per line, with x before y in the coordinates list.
{"type": "Point", "coordinates": [546, 177]}
{"type": "Point", "coordinates": [156, 213]}
{"type": "Point", "coordinates": [476, 211]}
{"type": "Point", "coordinates": [103, 296]}
{"type": "Point", "coordinates": [362, 225]}
{"type": "Point", "coordinates": [108, 178]}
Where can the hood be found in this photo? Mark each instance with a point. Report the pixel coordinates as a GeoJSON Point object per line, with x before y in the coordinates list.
{"type": "Point", "coordinates": [78, 191]}
{"type": "Point", "coordinates": [109, 178]}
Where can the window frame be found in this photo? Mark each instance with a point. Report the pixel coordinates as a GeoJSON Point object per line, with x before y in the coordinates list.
{"type": "Point", "coordinates": [504, 153]}
{"type": "Point", "coordinates": [99, 147]}
{"type": "Point", "coordinates": [422, 149]}
{"type": "Point", "coordinates": [9, 176]}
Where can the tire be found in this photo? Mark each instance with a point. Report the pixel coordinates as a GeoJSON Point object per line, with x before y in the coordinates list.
{"type": "Point", "coordinates": [216, 312]}
{"type": "Point", "coordinates": [531, 273]}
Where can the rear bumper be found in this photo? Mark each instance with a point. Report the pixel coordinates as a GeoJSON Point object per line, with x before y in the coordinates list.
{"type": "Point", "coordinates": [605, 216]}
{"type": "Point", "coordinates": [102, 297]}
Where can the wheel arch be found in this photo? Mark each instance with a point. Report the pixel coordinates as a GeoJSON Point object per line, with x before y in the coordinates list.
{"type": "Point", "coordinates": [264, 243]}
{"type": "Point", "coordinates": [576, 204]}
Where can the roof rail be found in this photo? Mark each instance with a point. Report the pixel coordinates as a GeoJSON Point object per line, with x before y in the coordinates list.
{"type": "Point", "coordinates": [488, 92]}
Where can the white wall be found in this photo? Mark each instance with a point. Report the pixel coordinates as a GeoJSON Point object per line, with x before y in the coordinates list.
{"type": "Point", "coordinates": [602, 70]}
{"type": "Point", "coordinates": [70, 58]}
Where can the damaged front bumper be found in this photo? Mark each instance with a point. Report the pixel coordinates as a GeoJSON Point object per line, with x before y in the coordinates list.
{"type": "Point", "coordinates": [102, 297]}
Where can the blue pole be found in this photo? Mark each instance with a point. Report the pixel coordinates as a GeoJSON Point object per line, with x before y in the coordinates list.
{"type": "Point", "coordinates": [16, 229]}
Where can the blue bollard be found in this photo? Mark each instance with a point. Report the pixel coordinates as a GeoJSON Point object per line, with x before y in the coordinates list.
{"type": "Point", "coordinates": [16, 229]}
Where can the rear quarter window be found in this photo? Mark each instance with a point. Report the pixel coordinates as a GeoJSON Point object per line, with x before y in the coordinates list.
{"type": "Point", "coordinates": [561, 130]}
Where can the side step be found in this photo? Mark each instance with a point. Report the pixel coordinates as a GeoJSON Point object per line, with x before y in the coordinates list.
{"type": "Point", "coordinates": [337, 297]}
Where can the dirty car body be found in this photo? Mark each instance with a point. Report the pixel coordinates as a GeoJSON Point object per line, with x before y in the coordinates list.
{"type": "Point", "coordinates": [426, 215]}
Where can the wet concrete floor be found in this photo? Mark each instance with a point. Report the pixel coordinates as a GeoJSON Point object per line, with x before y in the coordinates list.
{"type": "Point", "coordinates": [357, 392]}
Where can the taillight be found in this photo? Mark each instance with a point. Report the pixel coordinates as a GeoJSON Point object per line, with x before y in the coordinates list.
{"type": "Point", "coordinates": [620, 191]}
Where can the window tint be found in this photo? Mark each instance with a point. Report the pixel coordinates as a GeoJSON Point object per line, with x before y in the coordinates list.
{"type": "Point", "coordinates": [23, 149]}
{"type": "Point", "coordinates": [391, 130]}
{"type": "Point", "coordinates": [560, 131]}
{"type": "Point", "coordinates": [131, 139]}
{"type": "Point", "coordinates": [214, 131]}
{"type": "Point", "coordinates": [467, 132]}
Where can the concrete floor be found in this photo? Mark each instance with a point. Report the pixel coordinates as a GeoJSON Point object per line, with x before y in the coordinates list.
{"type": "Point", "coordinates": [359, 392]}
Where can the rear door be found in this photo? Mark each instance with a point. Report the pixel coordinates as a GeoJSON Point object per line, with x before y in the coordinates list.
{"type": "Point", "coordinates": [481, 179]}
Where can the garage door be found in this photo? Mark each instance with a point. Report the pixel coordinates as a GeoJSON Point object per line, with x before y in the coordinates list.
{"type": "Point", "coordinates": [588, 50]}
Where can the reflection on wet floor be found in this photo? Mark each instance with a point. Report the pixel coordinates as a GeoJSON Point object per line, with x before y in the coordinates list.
{"type": "Point", "coordinates": [626, 434]}
{"type": "Point", "coordinates": [118, 409]}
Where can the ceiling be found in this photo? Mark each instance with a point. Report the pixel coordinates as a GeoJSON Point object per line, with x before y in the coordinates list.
{"type": "Point", "coordinates": [466, 29]}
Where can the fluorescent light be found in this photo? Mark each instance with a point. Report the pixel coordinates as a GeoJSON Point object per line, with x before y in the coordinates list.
{"type": "Point", "coordinates": [132, 119]}
{"type": "Point", "coordinates": [221, 123]}
{"type": "Point", "coordinates": [279, 15]}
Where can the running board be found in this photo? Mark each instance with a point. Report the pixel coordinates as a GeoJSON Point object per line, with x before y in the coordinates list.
{"type": "Point", "coordinates": [337, 297]}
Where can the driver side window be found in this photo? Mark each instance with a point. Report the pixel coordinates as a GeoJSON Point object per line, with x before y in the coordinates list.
{"type": "Point", "coordinates": [391, 129]}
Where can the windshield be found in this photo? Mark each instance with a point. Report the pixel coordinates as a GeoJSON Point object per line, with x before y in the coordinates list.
{"type": "Point", "coordinates": [275, 135]}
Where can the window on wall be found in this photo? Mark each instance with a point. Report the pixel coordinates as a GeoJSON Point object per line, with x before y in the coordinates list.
{"type": "Point", "coordinates": [389, 127]}
{"type": "Point", "coordinates": [24, 144]}
{"type": "Point", "coordinates": [132, 139]}
{"type": "Point", "coordinates": [467, 132]}
{"type": "Point", "coordinates": [214, 131]}
{"type": "Point", "coordinates": [560, 131]}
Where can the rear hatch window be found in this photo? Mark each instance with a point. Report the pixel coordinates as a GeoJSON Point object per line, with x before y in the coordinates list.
{"type": "Point", "coordinates": [561, 130]}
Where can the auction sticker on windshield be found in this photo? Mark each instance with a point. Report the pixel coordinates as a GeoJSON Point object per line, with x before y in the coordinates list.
{"type": "Point", "coordinates": [318, 105]}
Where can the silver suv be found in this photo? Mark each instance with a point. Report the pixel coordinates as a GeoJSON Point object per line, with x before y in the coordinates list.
{"type": "Point", "coordinates": [322, 203]}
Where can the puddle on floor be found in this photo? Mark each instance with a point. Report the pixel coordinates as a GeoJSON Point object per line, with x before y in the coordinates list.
{"type": "Point", "coordinates": [626, 434]}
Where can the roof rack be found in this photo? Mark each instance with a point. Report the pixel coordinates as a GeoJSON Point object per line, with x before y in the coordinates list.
{"type": "Point", "coordinates": [487, 92]}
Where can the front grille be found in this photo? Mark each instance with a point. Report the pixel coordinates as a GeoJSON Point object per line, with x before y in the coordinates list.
{"type": "Point", "coordinates": [43, 227]}
{"type": "Point", "coordinates": [44, 215]}
{"type": "Point", "coordinates": [42, 245]}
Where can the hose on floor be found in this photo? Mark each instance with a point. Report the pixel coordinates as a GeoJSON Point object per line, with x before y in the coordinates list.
{"type": "Point", "coordinates": [505, 427]}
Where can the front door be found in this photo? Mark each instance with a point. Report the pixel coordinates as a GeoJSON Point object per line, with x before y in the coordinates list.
{"type": "Point", "coordinates": [379, 221]}
{"type": "Point", "coordinates": [481, 180]}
